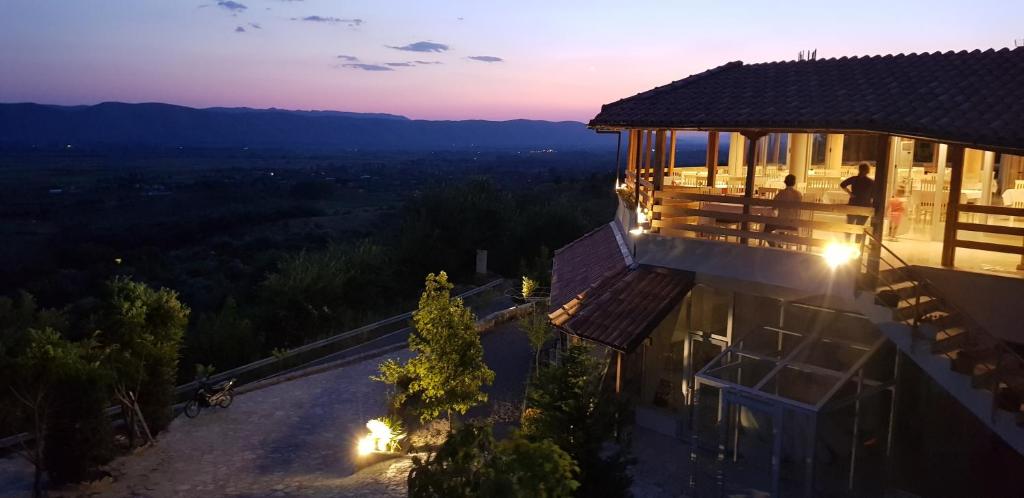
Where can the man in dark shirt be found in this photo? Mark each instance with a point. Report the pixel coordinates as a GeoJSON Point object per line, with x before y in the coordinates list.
{"type": "Point", "coordinates": [861, 190]}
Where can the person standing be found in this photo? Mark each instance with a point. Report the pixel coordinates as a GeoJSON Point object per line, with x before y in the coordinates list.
{"type": "Point", "coordinates": [861, 190]}
{"type": "Point", "coordinates": [788, 194]}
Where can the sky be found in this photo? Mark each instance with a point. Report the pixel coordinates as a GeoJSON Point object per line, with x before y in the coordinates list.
{"type": "Point", "coordinates": [551, 59]}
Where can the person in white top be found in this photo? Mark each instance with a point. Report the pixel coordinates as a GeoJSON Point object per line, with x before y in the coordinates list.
{"type": "Point", "coordinates": [788, 194]}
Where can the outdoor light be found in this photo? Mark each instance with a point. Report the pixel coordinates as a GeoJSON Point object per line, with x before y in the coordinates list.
{"type": "Point", "coordinates": [380, 439]}
{"type": "Point", "coordinates": [839, 253]}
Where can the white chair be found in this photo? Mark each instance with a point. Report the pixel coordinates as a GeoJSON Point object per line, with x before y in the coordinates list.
{"type": "Point", "coordinates": [1014, 198]}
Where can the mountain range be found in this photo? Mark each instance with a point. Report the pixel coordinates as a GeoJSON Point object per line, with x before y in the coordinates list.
{"type": "Point", "coordinates": [115, 124]}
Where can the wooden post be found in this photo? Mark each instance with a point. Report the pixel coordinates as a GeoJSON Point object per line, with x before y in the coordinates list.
{"type": "Point", "coordinates": [748, 187]}
{"type": "Point", "coordinates": [659, 160]}
{"type": "Point", "coordinates": [631, 153]}
{"type": "Point", "coordinates": [672, 154]}
{"type": "Point", "coordinates": [711, 160]}
{"type": "Point", "coordinates": [883, 156]}
{"type": "Point", "coordinates": [647, 154]}
{"type": "Point", "coordinates": [956, 180]}
{"type": "Point", "coordinates": [618, 373]}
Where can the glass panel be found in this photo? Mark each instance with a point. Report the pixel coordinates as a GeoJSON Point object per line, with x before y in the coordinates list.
{"type": "Point", "coordinates": [709, 310]}
{"type": "Point", "coordinates": [818, 148]}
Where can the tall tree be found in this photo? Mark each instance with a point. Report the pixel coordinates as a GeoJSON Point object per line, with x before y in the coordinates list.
{"type": "Point", "coordinates": [565, 403]}
{"type": "Point", "coordinates": [43, 384]}
{"type": "Point", "coordinates": [143, 329]}
{"type": "Point", "coordinates": [538, 331]}
{"type": "Point", "coordinates": [448, 370]}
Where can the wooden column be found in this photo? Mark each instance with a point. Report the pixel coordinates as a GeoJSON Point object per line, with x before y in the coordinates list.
{"type": "Point", "coordinates": [618, 373]}
{"type": "Point", "coordinates": [941, 153]}
{"type": "Point", "coordinates": [712, 157]}
{"type": "Point", "coordinates": [956, 180]}
{"type": "Point", "coordinates": [659, 160]}
{"type": "Point", "coordinates": [647, 154]}
{"type": "Point", "coordinates": [748, 186]}
{"type": "Point", "coordinates": [672, 153]}
{"type": "Point", "coordinates": [631, 153]}
{"type": "Point", "coordinates": [883, 156]}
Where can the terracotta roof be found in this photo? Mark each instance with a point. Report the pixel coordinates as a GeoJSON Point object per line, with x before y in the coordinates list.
{"type": "Point", "coordinates": [622, 309]}
{"type": "Point", "coordinates": [584, 261]}
{"type": "Point", "coordinates": [971, 98]}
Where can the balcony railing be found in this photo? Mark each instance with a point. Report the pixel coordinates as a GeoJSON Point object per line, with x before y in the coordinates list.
{"type": "Point", "coordinates": [684, 212]}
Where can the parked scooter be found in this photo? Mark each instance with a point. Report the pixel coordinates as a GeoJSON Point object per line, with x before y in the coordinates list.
{"type": "Point", "coordinates": [208, 396]}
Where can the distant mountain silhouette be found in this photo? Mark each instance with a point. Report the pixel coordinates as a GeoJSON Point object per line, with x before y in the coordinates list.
{"type": "Point", "coordinates": [115, 124]}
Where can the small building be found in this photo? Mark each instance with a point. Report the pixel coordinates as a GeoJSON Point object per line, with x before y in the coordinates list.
{"type": "Point", "coordinates": [819, 347]}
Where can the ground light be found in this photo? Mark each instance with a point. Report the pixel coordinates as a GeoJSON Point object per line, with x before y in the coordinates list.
{"type": "Point", "coordinates": [380, 439]}
{"type": "Point", "coordinates": [837, 254]}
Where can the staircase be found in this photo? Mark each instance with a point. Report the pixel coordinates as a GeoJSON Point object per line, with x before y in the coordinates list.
{"type": "Point", "coordinates": [983, 372]}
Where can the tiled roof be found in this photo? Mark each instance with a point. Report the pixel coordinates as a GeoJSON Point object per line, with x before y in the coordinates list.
{"type": "Point", "coordinates": [971, 98]}
{"type": "Point", "coordinates": [584, 261]}
{"type": "Point", "coordinates": [622, 309]}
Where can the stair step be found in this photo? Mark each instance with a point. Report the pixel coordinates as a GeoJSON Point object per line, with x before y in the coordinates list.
{"type": "Point", "coordinates": [905, 290]}
{"type": "Point", "coordinates": [948, 340]}
{"type": "Point", "coordinates": [942, 319]}
{"type": "Point", "coordinates": [909, 309]}
{"type": "Point", "coordinates": [965, 360]}
{"type": "Point", "coordinates": [893, 276]}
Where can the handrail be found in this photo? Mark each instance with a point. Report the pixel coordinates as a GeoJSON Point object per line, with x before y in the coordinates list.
{"type": "Point", "coordinates": [971, 326]}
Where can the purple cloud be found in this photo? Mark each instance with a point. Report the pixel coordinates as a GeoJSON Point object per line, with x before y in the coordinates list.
{"type": "Point", "coordinates": [368, 67]}
{"type": "Point", "coordinates": [428, 62]}
{"type": "Point", "coordinates": [231, 5]}
{"type": "Point", "coordinates": [330, 20]}
{"type": "Point", "coordinates": [422, 46]}
{"type": "Point", "coordinates": [239, 30]}
{"type": "Point", "coordinates": [486, 58]}
{"type": "Point", "coordinates": [398, 64]}
{"type": "Point", "coordinates": [348, 58]}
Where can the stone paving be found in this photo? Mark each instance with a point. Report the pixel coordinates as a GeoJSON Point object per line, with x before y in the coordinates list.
{"type": "Point", "coordinates": [290, 439]}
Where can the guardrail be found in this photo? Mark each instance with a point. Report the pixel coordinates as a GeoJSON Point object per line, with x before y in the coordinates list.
{"type": "Point", "coordinates": [680, 211]}
{"type": "Point", "coordinates": [290, 359]}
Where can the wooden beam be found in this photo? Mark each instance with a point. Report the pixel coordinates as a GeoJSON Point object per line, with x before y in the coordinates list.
{"type": "Point", "coordinates": [956, 180]}
{"type": "Point", "coordinates": [649, 144]}
{"type": "Point", "coordinates": [883, 156]}
{"type": "Point", "coordinates": [748, 189]}
{"type": "Point", "coordinates": [659, 160]}
{"type": "Point", "coordinates": [711, 161]}
{"type": "Point", "coordinates": [672, 153]}
{"type": "Point", "coordinates": [618, 373]}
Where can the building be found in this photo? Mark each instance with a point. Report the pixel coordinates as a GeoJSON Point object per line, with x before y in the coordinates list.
{"type": "Point", "coordinates": [851, 349]}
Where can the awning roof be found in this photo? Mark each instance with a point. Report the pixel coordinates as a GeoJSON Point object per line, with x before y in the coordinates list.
{"type": "Point", "coordinates": [624, 307]}
{"type": "Point", "coordinates": [969, 98]}
{"type": "Point", "coordinates": [585, 261]}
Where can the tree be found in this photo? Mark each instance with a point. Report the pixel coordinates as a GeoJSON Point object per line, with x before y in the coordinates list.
{"type": "Point", "coordinates": [565, 404]}
{"type": "Point", "coordinates": [46, 384]}
{"type": "Point", "coordinates": [316, 293]}
{"type": "Point", "coordinates": [470, 463]}
{"type": "Point", "coordinates": [225, 338]}
{"type": "Point", "coordinates": [142, 329]}
{"type": "Point", "coordinates": [538, 331]}
{"type": "Point", "coordinates": [448, 370]}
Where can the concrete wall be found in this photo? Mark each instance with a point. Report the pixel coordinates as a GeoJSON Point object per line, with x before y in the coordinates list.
{"type": "Point", "coordinates": [994, 302]}
{"type": "Point", "coordinates": [802, 271]}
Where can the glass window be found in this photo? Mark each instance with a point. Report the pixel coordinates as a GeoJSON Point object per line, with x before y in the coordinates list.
{"type": "Point", "coordinates": [819, 146]}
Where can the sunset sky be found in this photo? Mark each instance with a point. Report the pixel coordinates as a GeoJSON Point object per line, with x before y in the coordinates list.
{"type": "Point", "coordinates": [548, 59]}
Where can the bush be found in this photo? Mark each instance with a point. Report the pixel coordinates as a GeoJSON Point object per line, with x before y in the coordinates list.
{"type": "Point", "coordinates": [79, 437]}
{"type": "Point", "coordinates": [470, 463]}
{"type": "Point", "coordinates": [565, 404]}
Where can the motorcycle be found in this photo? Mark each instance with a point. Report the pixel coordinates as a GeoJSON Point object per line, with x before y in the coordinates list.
{"type": "Point", "coordinates": [208, 396]}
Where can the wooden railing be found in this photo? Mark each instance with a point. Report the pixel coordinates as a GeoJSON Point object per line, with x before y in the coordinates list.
{"type": "Point", "coordinates": [646, 192]}
{"type": "Point", "coordinates": [985, 228]}
{"type": "Point", "coordinates": [679, 211]}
